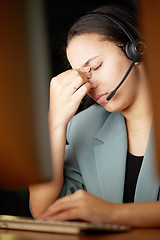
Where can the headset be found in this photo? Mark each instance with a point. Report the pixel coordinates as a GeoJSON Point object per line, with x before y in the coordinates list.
{"type": "Point", "coordinates": [133, 49]}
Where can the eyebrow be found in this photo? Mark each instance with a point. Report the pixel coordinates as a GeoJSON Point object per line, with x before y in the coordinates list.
{"type": "Point", "coordinates": [89, 60]}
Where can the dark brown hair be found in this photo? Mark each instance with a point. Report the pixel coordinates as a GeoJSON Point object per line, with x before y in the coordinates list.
{"type": "Point", "coordinates": [95, 22]}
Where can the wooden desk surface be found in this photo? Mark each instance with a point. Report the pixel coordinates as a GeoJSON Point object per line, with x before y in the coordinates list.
{"type": "Point", "coordinates": [138, 234]}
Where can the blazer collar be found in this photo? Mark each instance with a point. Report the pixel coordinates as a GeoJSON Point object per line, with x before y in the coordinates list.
{"type": "Point", "coordinates": [115, 124]}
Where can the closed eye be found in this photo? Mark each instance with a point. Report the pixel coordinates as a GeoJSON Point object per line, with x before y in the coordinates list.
{"type": "Point", "coordinates": [96, 68]}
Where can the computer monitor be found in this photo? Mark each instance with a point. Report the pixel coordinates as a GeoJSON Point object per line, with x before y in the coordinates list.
{"type": "Point", "coordinates": [25, 156]}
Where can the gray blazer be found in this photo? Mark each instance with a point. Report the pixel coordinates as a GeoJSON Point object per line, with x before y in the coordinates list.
{"type": "Point", "coordinates": [95, 158]}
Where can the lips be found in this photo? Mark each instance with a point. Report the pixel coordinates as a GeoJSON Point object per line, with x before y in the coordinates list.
{"type": "Point", "coordinates": [101, 98]}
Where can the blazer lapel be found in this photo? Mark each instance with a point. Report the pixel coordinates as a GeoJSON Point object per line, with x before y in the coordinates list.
{"type": "Point", "coordinates": [148, 182]}
{"type": "Point", "coordinates": [110, 157]}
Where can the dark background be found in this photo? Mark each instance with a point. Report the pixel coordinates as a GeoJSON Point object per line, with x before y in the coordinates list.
{"type": "Point", "coordinates": [60, 15]}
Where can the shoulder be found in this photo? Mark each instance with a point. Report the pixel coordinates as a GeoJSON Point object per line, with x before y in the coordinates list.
{"type": "Point", "coordinates": [88, 121]}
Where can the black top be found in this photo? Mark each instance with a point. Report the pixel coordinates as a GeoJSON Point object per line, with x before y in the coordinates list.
{"type": "Point", "coordinates": [133, 165]}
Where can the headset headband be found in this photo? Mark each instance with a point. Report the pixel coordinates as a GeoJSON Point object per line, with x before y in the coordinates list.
{"type": "Point", "coordinates": [118, 23]}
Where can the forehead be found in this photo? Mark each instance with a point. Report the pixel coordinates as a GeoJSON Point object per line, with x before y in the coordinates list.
{"type": "Point", "coordinates": [84, 47]}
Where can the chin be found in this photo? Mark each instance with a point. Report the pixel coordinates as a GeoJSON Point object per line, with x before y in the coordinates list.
{"type": "Point", "coordinates": [112, 106]}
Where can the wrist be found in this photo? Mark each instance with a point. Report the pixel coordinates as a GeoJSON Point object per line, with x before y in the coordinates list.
{"type": "Point", "coordinates": [55, 124]}
{"type": "Point", "coordinates": [120, 214]}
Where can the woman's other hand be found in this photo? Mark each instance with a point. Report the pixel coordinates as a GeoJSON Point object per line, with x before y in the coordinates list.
{"type": "Point", "coordinates": [80, 206]}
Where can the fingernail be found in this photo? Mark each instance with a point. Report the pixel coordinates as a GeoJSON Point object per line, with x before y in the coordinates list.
{"type": "Point", "coordinates": [87, 68]}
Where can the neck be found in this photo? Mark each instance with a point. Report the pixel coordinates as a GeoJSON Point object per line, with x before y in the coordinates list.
{"type": "Point", "coordinates": [139, 114]}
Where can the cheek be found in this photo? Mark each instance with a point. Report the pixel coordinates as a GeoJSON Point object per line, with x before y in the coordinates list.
{"type": "Point", "coordinates": [112, 74]}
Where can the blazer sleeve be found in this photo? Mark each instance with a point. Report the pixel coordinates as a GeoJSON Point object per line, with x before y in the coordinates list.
{"type": "Point", "coordinates": [72, 176]}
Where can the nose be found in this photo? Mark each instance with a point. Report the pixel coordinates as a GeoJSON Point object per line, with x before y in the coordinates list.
{"type": "Point", "coordinates": [93, 84]}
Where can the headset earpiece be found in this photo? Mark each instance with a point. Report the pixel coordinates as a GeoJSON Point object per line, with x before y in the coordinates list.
{"type": "Point", "coordinates": [134, 47]}
{"type": "Point", "coordinates": [131, 50]}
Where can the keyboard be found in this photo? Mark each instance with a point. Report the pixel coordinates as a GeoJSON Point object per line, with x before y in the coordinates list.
{"type": "Point", "coordinates": [68, 227]}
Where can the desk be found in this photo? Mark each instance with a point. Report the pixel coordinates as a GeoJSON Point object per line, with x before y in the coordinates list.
{"type": "Point", "coordinates": [138, 234]}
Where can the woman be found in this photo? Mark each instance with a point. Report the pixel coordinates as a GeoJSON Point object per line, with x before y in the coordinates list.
{"type": "Point", "coordinates": [108, 175]}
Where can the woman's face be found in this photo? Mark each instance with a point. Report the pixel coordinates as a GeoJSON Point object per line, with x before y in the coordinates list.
{"type": "Point", "coordinates": [108, 65]}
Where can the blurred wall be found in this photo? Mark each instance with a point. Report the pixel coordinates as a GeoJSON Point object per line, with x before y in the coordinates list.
{"type": "Point", "coordinates": [149, 16]}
